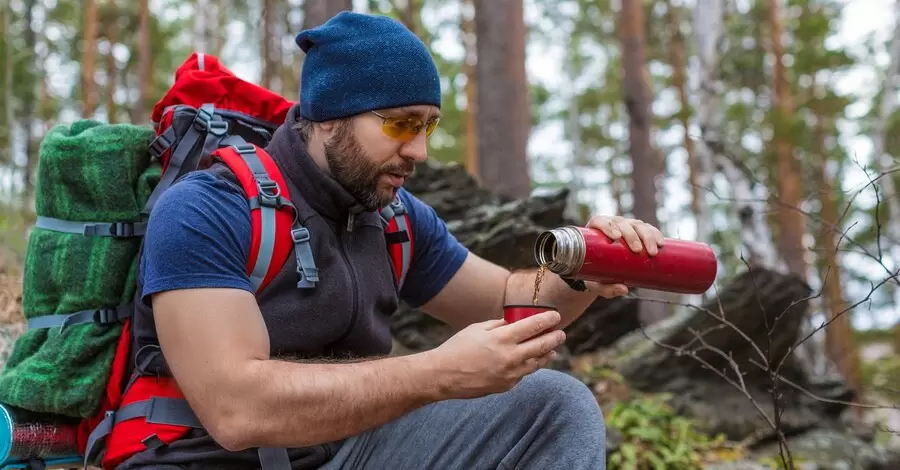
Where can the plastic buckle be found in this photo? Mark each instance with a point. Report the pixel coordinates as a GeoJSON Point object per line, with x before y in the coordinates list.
{"type": "Point", "coordinates": [399, 208]}
{"type": "Point", "coordinates": [269, 192]}
{"type": "Point", "coordinates": [202, 120]}
{"type": "Point", "coordinates": [244, 148]}
{"type": "Point", "coordinates": [122, 229]}
{"type": "Point", "coordinates": [105, 316]}
{"type": "Point", "coordinates": [217, 128]}
{"type": "Point", "coordinates": [159, 145]}
{"type": "Point", "coordinates": [300, 235]}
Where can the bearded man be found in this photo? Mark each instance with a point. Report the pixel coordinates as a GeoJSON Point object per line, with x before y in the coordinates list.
{"type": "Point", "coordinates": [302, 378]}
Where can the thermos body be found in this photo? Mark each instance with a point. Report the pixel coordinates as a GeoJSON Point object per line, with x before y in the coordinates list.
{"type": "Point", "coordinates": [24, 438]}
{"type": "Point", "coordinates": [680, 266]}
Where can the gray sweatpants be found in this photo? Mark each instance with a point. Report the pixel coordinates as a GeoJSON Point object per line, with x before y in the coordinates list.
{"type": "Point", "coordinates": [548, 421]}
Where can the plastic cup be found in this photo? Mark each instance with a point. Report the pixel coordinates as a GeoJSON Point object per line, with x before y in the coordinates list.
{"type": "Point", "coordinates": [514, 313]}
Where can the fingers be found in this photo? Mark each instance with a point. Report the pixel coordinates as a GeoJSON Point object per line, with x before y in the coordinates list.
{"type": "Point", "coordinates": [637, 234]}
{"type": "Point", "coordinates": [542, 345]}
{"type": "Point", "coordinates": [629, 234]}
{"type": "Point", "coordinates": [607, 291]}
{"type": "Point", "coordinates": [647, 234]}
{"type": "Point", "coordinates": [607, 225]}
{"type": "Point", "coordinates": [529, 327]}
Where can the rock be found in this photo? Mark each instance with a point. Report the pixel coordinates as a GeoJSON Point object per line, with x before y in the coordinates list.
{"type": "Point", "coordinates": [754, 304]}
{"type": "Point", "coordinates": [503, 231]}
{"type": "Point", "coordinates": [830, 449]}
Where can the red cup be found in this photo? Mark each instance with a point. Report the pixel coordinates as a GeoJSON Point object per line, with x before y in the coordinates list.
{"type": "Point", "coordinates": [514, 313]}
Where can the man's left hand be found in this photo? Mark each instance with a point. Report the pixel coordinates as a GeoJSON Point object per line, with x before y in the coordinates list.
{"type": "Point", "coordinates": [638, 235]}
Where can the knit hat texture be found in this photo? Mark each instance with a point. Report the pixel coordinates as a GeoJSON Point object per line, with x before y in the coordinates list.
{"type": "Point", "coordinates": [358, 62]}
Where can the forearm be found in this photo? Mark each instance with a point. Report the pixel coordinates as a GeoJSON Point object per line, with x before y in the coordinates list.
{"type": "Point", "coordinates": [291, 404]}
{"type": "Point", "coordinates": [553, 291]}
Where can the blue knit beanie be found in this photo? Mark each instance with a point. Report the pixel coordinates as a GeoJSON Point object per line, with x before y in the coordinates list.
{"type": "Point", "coordinates": [356, 63]}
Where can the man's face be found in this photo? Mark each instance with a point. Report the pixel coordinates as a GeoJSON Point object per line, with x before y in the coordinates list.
{"type": "Point", "coordinates": [370, 164]}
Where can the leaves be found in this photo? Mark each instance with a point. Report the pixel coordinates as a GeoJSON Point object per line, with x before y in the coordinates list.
{"type": "Point", "coordinates": [654, 437]}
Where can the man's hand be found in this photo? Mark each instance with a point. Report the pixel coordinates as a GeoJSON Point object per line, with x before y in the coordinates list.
{"type": "Point", "coordinates": [493, 356]}
{"type": "Point", "coordinates": [636, 234]}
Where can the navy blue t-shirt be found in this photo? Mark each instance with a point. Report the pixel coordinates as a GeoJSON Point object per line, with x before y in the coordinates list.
{"type": "Point", "coordinates": [204, 211]}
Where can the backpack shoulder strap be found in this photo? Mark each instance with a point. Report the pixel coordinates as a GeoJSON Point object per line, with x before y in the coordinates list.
{"type": "Point", "coordinates": [399, 237]}
{"type": "Point", "coordinates": [274, 218]}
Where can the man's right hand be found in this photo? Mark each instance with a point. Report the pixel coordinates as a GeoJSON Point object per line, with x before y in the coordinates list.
{"type": "Point", "coordinates": [493, 356]}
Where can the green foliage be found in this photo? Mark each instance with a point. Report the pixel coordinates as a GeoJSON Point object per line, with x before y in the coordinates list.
{"type": "Point", "coordinates": [655, 438]}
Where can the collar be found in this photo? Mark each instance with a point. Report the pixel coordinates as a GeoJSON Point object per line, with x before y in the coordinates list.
{"type": "Point", "coordinates": [319, 189]}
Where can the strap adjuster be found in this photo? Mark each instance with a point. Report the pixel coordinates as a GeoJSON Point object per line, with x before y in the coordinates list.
{"type": "Point", "coordinates": [159, 145]}
{"type": "Point", "coordinates": [300, 235]}
{"type": "Point", "coordinates": [217, 128]}
{"type": "Point", "coordinates": [106, 316]}
{"type": "Point", "coordinates": [269, 192]}
{"type": "Point", "coordinates": [244, 148]}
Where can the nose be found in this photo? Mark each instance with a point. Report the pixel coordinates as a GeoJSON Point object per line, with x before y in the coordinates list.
{"type": "Point", "coordinates": [416, 149]}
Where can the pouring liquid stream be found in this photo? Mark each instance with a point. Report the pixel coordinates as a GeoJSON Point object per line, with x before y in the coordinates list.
{"type": "Point", "coordinates": [538, 279]}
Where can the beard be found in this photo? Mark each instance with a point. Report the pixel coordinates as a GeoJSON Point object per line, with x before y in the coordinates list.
{"type": "Point", "coordinates": [354, 170]}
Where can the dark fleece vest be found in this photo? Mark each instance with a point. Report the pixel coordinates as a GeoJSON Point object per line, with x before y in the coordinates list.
{"type": "Point", "coordinates": [347, 314]}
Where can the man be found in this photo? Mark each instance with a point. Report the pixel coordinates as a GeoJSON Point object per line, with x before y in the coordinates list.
{"type": "Point", "coordinates": [308, 369]}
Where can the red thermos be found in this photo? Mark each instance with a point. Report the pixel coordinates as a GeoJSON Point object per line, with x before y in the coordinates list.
{"type": "Point", "coordinates": [587, 254]}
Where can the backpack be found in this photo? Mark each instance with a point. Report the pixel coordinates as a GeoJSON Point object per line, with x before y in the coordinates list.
{"type": "Point", "coordinates": [208, 115]}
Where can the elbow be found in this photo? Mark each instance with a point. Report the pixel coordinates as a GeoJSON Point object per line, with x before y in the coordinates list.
{"type": "Point", "coordinates": [232, 429]}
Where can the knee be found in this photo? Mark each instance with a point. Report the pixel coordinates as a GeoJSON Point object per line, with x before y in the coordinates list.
{"type": "Point", "coordinates": [563, 395]}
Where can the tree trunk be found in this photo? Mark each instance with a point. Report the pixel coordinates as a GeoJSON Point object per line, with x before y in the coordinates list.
{"type": "Point", "coordinates": [637, 96]}
{"type": "Point", "coordinates": [504, 116]}
{"type": "Point", "coordinates": [89, 60]}
{"type": "Point", "coordinates": [112, 70]}
{"type": "Point", "coordinates": [699, 207]}
{"type": "Point", "coordinates": [317, 12]}
{"type": "Point", "coordinates": [757, 247]}
{"type": "Point", "coordinates": [839, 334]}
{"type": "Point", "coordinates": [270, 43]}
{"type": "Point", "coordinates": [791, 221]}
{"type": "Point", "coordinates": [883, 160]}
{"type": "Point", "coordinates": [29, 102]}
{"type": "Point", "coordinates": [467, 30]}
{"type": "Point", "coordinates": [145, 66]}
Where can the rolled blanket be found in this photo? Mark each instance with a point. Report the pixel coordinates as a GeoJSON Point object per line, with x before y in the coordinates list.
{"type": "Point", "coordinates": [88, 172]}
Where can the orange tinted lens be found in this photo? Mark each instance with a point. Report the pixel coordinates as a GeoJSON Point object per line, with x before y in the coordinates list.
{"type": "Point", "coordinates": [402, 128]}
{"type": "Point", "coordinates": [431, 126]}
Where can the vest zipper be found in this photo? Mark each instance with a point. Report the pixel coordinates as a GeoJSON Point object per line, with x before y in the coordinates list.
{"type": "Point", "coordinates": [354, 313]}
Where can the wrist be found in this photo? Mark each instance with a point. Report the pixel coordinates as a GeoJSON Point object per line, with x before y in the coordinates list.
{"type": "Point", "coordinates": [434, 377]}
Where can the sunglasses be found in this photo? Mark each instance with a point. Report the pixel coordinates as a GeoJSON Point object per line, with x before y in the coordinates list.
{"type": "Point", "coordinates": [406, 128]}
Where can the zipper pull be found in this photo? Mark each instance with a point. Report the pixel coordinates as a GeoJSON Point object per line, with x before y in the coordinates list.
{"type": "Point", "coordinates": [350, 218]}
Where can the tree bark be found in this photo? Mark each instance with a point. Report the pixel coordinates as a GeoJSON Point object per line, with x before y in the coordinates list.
{"type": "Point", "coordinates": [504, 115]}
{"type": "Point", "coordinates": [791, 222]}
{"type": "Point", "coordinates": [145, 64]}
{"type": "Point", "coordinates": [678, 59]}
{"type": "Point", "coordinates": [883, 160]}
{"type": "Point", "coordinates": [469, 39]}
{"type": "Point", "coordinates": [88, 60]}
{"type": "Point", "coordinates": [839, 334]}
{"type": "Point", "coordinates": [637, 96]}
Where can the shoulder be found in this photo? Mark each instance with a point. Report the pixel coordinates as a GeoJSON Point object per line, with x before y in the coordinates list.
{"type": "Point", "coordinates": [198, 235]}
{"type": "Point", "coordinates": [437, 254]}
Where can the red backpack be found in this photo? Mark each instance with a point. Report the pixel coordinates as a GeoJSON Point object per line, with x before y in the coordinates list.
{"type": "Point", "coordinates": [208, 115]}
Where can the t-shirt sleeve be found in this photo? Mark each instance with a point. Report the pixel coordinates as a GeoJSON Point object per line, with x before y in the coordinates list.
{"type": "Point", "coordinates": [198, 236]}
{"type": "Point", "coordinates": [437, 254]}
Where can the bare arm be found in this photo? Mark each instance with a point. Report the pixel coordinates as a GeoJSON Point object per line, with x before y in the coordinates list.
{"type": "Point", "coordinates": [217, 346]}
{"type": "Point", "coordinates": [486, 287]}
{"type": "Point", "coordinates": [478, 291]}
